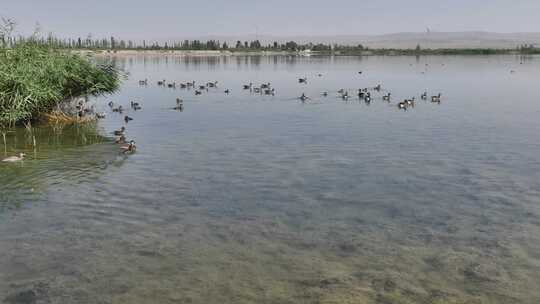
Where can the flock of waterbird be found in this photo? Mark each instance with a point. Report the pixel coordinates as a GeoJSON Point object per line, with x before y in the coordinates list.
{"type": "Point", "coordinates": [366, 95]}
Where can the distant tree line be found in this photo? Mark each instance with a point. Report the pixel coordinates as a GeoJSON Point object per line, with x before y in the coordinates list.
{"type": "Point", "coordinates": [113, 43]}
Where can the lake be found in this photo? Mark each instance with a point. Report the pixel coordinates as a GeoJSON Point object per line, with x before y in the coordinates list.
{"type": "Point", "coordinates": [250, 198]}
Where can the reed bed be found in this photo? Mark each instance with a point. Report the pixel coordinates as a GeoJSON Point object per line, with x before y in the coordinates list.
{"type": "Point", "coordinates": [35, 78]}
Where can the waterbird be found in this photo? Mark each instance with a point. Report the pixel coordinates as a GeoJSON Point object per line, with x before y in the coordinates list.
{"type": "Point", "coordinates": [111, 104]}
{"type": "Point", "coordinates": [179, 107]}
{"type": "Point", "coordinates": [172, 85]}
{"type": "Point", "coordinates": [386, 97]}
{"type": "Point", "coordinates": [324, 94]}
{"type": "Point", "coordinates": [436, 98]}
{"type": "Point", "coordinates": [227, 91]}
{"type": "Point", "coordinates": [248, 86]}
{"type": "Point", "coordinates": [424, 95]}
{"type": "Point", "coordinates": [161, 82]}
{"type": "Point", "coordinates": [303, 97]}
{"type": "Point", "coordinates": [402, 105]}
{"type": "Point", "coordinates": [128, 148]}
{"type": "Point", "coordinates": [119, 132]}
{"type": "Point", "coordinates": [121, 140]}
{"type": "Point", "coordinates": [197, 92]}
{"type": "Point", "coordinates": [302, 80]}
{"type": "Point", "coordinates": [120, 109]}
{"type": "Point", "coordinates": [12, 159]}
{"type": "Point", "coordinates": [179, 101]}
{"type": "Point", "coordinates": [127, 119]}
{"type": "Point", "coordinates": [100, 115]}
{"type": "Point", "coordinates": [143, 82]}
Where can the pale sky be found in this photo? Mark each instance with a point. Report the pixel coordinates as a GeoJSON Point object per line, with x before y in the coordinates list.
{"type": "Point", "coordinates": [135, 19]}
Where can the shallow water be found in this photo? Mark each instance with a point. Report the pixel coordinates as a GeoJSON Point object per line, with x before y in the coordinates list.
{"type": "Point", "coordinates": [244, 198]}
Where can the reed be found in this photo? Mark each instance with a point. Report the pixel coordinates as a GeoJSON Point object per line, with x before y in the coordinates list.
{"type": "Point", "coordinates": [35, 78]}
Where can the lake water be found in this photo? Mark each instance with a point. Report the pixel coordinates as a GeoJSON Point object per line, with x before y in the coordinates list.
{"type": "Point", "coordinates": [244, 198]}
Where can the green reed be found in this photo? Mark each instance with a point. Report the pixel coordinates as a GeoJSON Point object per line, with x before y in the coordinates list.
{"type": "Point", "coordinates": [34, 78]}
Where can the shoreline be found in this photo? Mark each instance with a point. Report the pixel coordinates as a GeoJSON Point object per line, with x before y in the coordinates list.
{"type": "Point", "coordinates": [229, 53]}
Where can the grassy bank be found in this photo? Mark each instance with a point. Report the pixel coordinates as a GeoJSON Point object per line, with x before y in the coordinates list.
{"type": "Point", "coordinates": [35, 78]}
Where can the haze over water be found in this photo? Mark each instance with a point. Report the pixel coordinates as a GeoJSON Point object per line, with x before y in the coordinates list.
{"type": "Point", "coordinates": [244, 198]}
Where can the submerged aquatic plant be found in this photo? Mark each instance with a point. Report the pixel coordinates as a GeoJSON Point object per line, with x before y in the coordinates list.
{"type": "Point", "coordinates": [34, 78]}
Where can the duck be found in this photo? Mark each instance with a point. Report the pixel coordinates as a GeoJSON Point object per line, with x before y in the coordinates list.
{"type": "Point", "coordinates": [183, 86]}
{"type": "Point", "coordinates": [197, 92]}
{"type": "Point", "coordinates": [121, 140]}
{"type": "Point", "coordinates": [127, 119]}
{"type": "Point", "coordinates": [324, 94]}
{"type": "Point", "coordinates": [120, 109]}
{"type": "Point", "coordinates": [119, 132]}
{"type": "Point", "coordinates": [179, 107]}
{"type": "Point", "coordinates": [227, 91]}
{"type": "Point", "coordinates": [265, 85]}
{"type": "Point", "coordinates": [377, 88]}
{"type": "Point", "coordinates": [128, 148]}
{"type": "Point", "coordinates": [134, 104]}
{"type": "Point", "coordinates": [303, 97]}
{"type": "Point", "coordinates": [12, 159]}
{"type": "Point", "coordinates": [302, 80]}
{"type": "Point", "coordinates": [172, 85]}
{"type": "Point", "coordinates": [248, 86]}
{"type": "Point", "coordinates": [345, 95]}
{"type": "Point", "coordinates": [161, 82]}
{"type": "Point", "coordinates": [402, 105]}
{"type": "Point", "coordinates": [367, 98]}
{"type": "Point", "coordinates": [436, 98]}
{"type": "Point", "coordinates": [387, 97]}
{"type": "Point", "coordinates": [101, 115]}
{"type": "Point", "coordinates": [143, 82]}
{"type": "Point", "coordinates": [179, 101]}
{"type": "Point", "coordinates": [111, 104]}
{"type": "Point", "coordinates": [424, 95]}
{"type": "Point", "coordinates": [269, 92]}
{"type": "Point", "coordinates": [212, 84]}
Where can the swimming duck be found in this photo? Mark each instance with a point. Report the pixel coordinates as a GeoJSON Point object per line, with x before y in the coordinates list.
{"type": "Point", "coordinates": [120, 109]}
{"type": "Point", "coordinates": [386, 97]}
{"type": "Point", "coordinates": [128, 148]}
{"type": "Point", "coordinates": [100, 115]}
{"type": "Point", "coordinates": [12, 159]}
{"type": "Point", "coordinates": [402, 105]}
{"type": "Point", "coordinates": [227, 91]}
{"type": "Point", "coordinates": [303, 97]}
{"type": "Point", "coordinates": [248, 86]}
{"type": "Point", "coordinates": [127, 119]}
{"type": "Point", "coordinates": [197, 92]}
{"type": "Point", "coordinates": [120, 132]}
{"type": "Point", "coordinates": [121, 140]}
{"type": "Point", "coordinates": [143, 82]}
{"type": "Point", "coordinates": [436, 98]}
{"type": "Point", "coordinates": [423, 96]}
{"type": "Point", "coordinates": [324, 94]}
{"type": "Point", "coordinates": [179, 101]}
{"type": "Point", "coordinates": [302, 80]}
{"type": "Point", "coordinates": [269, 92]}
{"type": "Point", "coordinates": [111, 104]}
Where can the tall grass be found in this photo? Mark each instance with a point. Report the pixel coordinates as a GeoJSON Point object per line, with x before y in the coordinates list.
{"type": "Point", "coordinates": [34, 78]}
